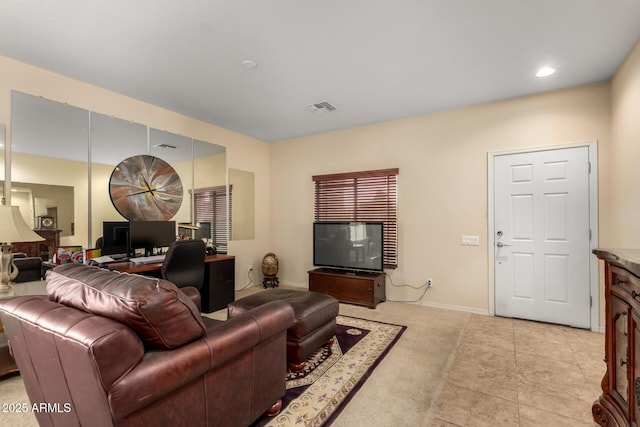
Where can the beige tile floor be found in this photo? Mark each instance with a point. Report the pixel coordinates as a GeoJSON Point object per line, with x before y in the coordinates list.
{"type": "Point", "coordinates": [476, 371]}
{"type": "Point", "coordinates": [518, 373]}
{"type": "Point", "coordinates": [452, 368]}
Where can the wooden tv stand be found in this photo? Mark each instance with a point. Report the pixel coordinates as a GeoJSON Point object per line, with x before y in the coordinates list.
{"type": "Point", "coordinates": [359, 288]}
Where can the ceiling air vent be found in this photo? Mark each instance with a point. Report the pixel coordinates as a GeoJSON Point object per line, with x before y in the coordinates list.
{"type": "Point", "coordinates": [165, 146]}
{"type": "Point", "coordinates": [321, 107]}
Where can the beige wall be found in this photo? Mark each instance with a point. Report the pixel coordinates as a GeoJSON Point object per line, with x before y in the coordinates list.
{"type": "Point", "coordinates": [443, 172]}
{"type": "Point", "coordinates": [624, 192]}
{"type": "Point", "coordinates": [242, 152]}
{"type": "Point", "coordinates": [442, 184]}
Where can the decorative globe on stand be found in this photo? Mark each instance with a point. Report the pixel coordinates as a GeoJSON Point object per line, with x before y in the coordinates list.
{"type": "Point", "coordinates": [270, 270]}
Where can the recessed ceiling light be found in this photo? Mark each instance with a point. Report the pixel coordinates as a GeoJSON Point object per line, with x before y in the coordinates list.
{"type": "Point", "coordinates": [545, 71]}
{"type": "Point", "coordinates": [249, 64]}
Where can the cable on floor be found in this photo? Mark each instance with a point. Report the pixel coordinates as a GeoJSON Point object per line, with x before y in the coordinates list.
{"type": "Point", "coordinates": [248, 284]}
{"type": "Point", "coordinates": [425, 286]}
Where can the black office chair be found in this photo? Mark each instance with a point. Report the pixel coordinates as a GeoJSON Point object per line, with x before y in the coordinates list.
{"type": "Point", "coordinates": [29, 269]}
{"type": "Point", "coordinates": [184, 263]}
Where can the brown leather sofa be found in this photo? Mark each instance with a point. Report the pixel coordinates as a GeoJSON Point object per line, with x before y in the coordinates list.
{"type": "Point", "coordinates": [106, 348]}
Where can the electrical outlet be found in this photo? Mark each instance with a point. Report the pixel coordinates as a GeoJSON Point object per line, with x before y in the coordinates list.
{"type": "Point", "coordinates": [429, 282]}
{"type": "Point", "coordinates": [250, 268]}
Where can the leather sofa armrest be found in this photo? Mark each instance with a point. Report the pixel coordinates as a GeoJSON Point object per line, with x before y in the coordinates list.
{"type": "Point", "coordinates": [234, 336]}
{"type": "Point", "coordinates": [222, 342]}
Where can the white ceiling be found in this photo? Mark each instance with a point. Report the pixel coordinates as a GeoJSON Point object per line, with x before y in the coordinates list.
{"type": "Point", "coordinates": [375, 60]}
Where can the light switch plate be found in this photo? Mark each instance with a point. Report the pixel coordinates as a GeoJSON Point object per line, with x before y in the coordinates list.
{"type": "Point", "coordinates": [470, 240]}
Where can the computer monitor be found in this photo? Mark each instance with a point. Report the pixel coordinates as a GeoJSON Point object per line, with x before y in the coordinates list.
{"type": "Point", "coordinates": [115, 237]}
{"type": "Point", "coordinates": [148, 235]}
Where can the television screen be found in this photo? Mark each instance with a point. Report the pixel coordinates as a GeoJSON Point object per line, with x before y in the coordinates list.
{"type": "Point", "coordinates": [151, 234]}
{"type": "Point", "coordinates": [348, 245]}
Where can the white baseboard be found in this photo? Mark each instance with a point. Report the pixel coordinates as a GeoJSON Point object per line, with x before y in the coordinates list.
{"type": "Point", "coordinates": [472, 310]}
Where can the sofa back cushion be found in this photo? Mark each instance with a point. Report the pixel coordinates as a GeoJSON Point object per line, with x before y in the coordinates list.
{"type": "Point", "coordinates": [154, 308]}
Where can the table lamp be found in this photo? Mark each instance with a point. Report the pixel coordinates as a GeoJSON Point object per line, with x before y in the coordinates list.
{"type": "Point", "coordinates": [191, 227]}
{"type": "Point", "coordinates": [12, 229]}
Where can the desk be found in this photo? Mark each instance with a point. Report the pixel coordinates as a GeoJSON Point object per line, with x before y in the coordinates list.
{"type": "Point", "coordinates": [219, 285]}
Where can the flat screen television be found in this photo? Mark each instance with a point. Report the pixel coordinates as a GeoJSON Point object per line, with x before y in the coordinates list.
{"type": "Point", "coordinates": [148, 235]}
{"type": "Point", "coordinates": [115, 237]}
{"type": "Point", "coordinates": [348, 245]}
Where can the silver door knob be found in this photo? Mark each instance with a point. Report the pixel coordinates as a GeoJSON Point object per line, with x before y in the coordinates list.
{"type": "Point", "coordinates": [500, 244]}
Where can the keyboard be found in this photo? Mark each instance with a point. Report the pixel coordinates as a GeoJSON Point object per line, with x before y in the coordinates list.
{"type": "Point", "coordinates": [148, 259]}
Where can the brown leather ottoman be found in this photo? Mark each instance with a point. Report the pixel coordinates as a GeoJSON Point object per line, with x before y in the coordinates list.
{"type": "Point", "coordinates": [315, 320]}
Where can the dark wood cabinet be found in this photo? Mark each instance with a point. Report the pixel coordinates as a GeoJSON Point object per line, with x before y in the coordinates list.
{"type": "Point", "coordinates": [359, 288]}
{"type": "Point", "coordinates": [220, 277]}
{"type": "Point", "coordinates": [43, 249]}
{"type": "Point", "coordinates": [619, 404]}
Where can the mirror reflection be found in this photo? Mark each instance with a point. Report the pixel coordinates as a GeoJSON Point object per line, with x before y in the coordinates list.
{"type": "Point", "coordinates": [53, 147]}
{"type": "Point", "coordinates": [44, 200]}
{"type": "Point", "coordinates": [243, 200]}
{"type": "Point", "coordinates": [177, 150]}
{"type": "Point", "coordinates": [2, 139]}
{"type": "Point", "coordinates": [208, 199]}
{"type": "Point", "coordinates": [112, 140]}
{"type": "Point", "coordinates": [49, 144]}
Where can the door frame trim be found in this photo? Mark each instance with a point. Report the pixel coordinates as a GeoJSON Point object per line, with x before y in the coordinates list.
{"type": "Point", "coordinates": [594, 277]}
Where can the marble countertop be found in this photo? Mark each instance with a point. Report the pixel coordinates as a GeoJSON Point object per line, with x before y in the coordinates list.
{"type": "Point", "coordinates": [628, 259]}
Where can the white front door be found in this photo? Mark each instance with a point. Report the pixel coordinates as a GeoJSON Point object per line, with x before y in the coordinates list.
{"type": "Point", "coordinates": [542, 249]}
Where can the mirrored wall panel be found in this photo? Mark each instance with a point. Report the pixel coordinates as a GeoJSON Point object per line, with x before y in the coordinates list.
{"type": "Point", "coordinates": [62, 146]}
{"type": "Point", "coordinates": [49, 143]}
{"type": "Point", "coordinates": [242, 187]}
{"type": "Point", "coordinates": [2, 148]}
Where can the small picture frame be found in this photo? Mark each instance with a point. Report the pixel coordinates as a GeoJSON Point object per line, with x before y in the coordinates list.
{"type": "Point", "coordinates": [91, 253]}
{"type": "Point", "coordinates": [68, 254]}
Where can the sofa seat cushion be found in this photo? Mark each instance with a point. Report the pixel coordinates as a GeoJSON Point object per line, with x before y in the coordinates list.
{"type": "Point", "coordinates": [155, 309]}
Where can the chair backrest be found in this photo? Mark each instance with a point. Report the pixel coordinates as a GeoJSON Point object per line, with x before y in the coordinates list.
{"type": "Point", "coordinates": [29, 269]}
{"type": "Point", "coordinates": [184, 263]}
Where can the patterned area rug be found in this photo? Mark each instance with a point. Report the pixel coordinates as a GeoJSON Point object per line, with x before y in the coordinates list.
{"type": "Point", "coordinates": [333, 375]}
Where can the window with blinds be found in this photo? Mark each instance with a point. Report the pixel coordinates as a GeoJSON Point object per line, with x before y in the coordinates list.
{"type": "Point", "coordinates": [360, 197]}
{"type": "Point", "coordinates": [210, 207]}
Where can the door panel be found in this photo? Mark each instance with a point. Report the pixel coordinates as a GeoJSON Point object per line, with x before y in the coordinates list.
{"type": "Point", "coordinates": [542, 248]}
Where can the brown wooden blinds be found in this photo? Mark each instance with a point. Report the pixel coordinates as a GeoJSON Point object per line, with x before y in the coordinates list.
{"type": "Point", "coordinates": [359, 197]}
{"type": "Point", "coordinates": [210, 206]}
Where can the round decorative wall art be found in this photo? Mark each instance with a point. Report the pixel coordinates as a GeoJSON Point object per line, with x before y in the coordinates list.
{"type": "Point", "coordinates": [145, 188]}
